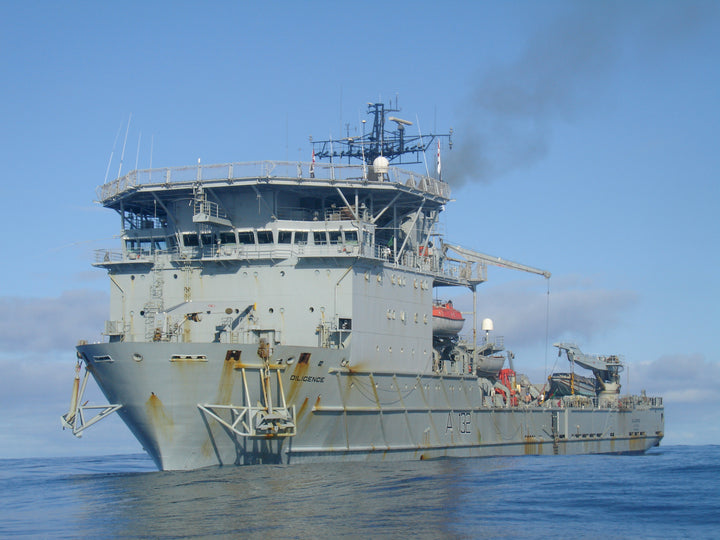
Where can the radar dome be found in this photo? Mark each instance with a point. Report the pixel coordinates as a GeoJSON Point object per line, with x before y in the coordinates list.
{"type": "Point", "coordinates": [381, 165]}
{"type": "Point", "coordinates": [487, 325]}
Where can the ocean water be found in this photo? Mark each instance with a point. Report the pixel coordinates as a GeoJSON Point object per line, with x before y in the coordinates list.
{"type": "Point", "coordinates": [670, 492]}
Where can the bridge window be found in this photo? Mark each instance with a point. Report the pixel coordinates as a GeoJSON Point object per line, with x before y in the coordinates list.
{"type": "Point", "coordinates": [351, 237]}
{"type": "Point", "coordinates": [265, 237]}
{"type": "Point", "coordinates": [246, 237]}
{"type": "Point", "coordinates": [190, 240]}
{"type": "Point", "coordinates": [335, 237]}
{"type": "Point", "coordinates": [227, 238]}
{"type": "Point", "coordinates": [284, 237]}
{"type": "Point", "coordinates": [319, 238]}
{"type": "Point", "coordinates": [301, 237]}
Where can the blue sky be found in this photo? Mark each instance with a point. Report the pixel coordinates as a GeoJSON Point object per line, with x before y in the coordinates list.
{"type": "Point", "coordinates": [586, 143]}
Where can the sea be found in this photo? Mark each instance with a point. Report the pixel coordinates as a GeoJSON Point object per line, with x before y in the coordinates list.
{"type": "Point", "coordinates": [669, 492]}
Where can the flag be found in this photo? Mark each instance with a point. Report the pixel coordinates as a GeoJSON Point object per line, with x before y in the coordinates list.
{"type": "Point", "coordinates": [312, 165]}
{"type": "Point", "coordinates": [439, 172]}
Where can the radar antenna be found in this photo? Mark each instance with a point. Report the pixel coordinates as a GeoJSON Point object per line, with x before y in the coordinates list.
{"type": "Point", "coordinates": [392, 144]}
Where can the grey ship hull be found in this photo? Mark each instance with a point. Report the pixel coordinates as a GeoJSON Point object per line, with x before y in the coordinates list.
{"type": "Point", "coordinates": [340, 412]}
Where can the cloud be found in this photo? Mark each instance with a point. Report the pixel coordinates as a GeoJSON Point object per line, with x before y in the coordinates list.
{"type": "Point", "coordinates": [689, 384]}
{"type": "Point", "coordinates": [688, 379]}
{"type": "Point", "coordinates": [562, 70]}
{"type": "Point", "coordinates": [578, 310]}
{"type": "Point", "coordinates": [36, 390]}
{"type": "Point", "coordinates": [49, 324]}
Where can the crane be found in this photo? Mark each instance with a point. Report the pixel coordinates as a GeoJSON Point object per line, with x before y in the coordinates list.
{"type": "Point", "coordinates": [470, 257]}
{"type": "Point", "coordinates": [605, 368]}
{"type": "Point", "coordinates": [483, 259]}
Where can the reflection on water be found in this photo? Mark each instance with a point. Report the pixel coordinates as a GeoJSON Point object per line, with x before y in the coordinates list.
{"type": "Point", "coordinates": [523, 497]}
{"type": "Point", "coordinates": [306, 501]}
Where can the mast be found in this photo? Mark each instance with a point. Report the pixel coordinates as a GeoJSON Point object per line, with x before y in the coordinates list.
{"type": "Point", "coordinates": [392, 144]}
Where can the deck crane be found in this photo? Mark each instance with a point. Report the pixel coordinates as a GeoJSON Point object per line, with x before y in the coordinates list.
{"type": "Point", "coordinates": [483, 259]}
{"type": "Point", "coordinates": [469, 257]}
{"type": "Point", "coordinates": [605, 368]}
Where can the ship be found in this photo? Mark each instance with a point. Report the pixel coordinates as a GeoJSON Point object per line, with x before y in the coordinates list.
{"type": "Point", "coordinates": [279, 312]}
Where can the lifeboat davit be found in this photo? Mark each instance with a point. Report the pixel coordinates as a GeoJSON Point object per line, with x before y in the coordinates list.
{"type": "Point", "coordinates": [447, 321]}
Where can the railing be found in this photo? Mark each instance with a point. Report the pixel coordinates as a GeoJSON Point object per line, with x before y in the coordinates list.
{"type": "Point", "coordinates": [332, 337]}
{"type": "Point", "coordinates": [430, 264]}
{"type": "Point", "coordinates": [208, 208]}
{"type": "Point", "coordinates": [298, 171]}
{"type": "Point", "coordinates": [114, 328]}
{"type": "Point", "coordinates": [630, 402]}
{"type": "Point", "coordinates": [107, 255]}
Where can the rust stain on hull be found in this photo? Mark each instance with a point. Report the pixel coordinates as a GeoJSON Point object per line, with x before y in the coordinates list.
{"type": "Point", "coordinates": [636, 443]}
{"type": "Point", "coordinates": [159, 417]}
{"type": "Point", "coordinates": [224, 395]}
{"type": "Point", "coordinates": [532, 446]}
{"type": "Point", "coordinates": [303, 409]}
{"type": "Point", "coordinates": [359, 367]}
{"type": "Point", "coordinates": [298, 373]}
{"type": "Point", "coordinates": [225, 386]}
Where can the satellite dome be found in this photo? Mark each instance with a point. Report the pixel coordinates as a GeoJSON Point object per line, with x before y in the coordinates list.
{"type": "Point", "coordinates": [487, 325]}
{"type": "Point", "coordinates": [381, 165]}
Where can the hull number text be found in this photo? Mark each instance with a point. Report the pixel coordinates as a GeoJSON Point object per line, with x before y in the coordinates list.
{"type": "Point", "coordinates": [464, 422]}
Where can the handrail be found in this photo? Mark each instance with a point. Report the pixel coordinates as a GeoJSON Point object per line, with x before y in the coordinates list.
{"type": "Point", "coordinates": [297, 171]}
{"type": "Point", "coordinates": [427, 263]}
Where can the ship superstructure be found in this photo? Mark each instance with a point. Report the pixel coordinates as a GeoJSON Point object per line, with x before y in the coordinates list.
{"type": "Point", "coordinates": [278, 312]}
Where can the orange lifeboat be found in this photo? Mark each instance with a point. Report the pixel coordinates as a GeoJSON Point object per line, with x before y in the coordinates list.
{"type": "Point", "coordinates": [447, 321]}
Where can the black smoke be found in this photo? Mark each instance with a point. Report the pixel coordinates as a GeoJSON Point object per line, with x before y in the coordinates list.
{"type": "Point", "coordinates": [564, 67]}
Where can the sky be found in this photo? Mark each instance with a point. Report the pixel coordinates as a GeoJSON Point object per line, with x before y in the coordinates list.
{"type": "Point", "coordinates": [585, 143]}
